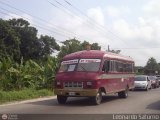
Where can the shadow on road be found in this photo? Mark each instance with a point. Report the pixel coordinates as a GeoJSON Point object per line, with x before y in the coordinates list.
{"type": "Point", "coordinates": [87, 101]}
{"type": "Point", "coordinates": [154, 106]}
{"type": "Point", "coordinates": [74, 101]}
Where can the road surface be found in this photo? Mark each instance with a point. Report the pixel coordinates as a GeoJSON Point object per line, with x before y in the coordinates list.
{"type": "Point", "coordinates": [137, 102]}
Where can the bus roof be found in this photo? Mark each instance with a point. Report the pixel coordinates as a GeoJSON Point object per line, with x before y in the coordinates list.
{"type": "Point", "coordinates": [96, 54]}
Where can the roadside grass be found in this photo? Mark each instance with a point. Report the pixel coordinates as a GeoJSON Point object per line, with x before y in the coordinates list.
{"type": "Point", "coordinates": [10, 96]}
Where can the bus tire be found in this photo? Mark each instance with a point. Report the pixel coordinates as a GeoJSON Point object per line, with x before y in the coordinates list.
{"type": "Point", "coordinates": [61, 99]}
{"type": "Point", "coordinates": [123, 94]}
{"type": "Point", "coordinates": [98, 98]}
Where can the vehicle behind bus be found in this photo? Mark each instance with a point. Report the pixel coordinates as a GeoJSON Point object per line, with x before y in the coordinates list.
{"type": "Point", "coordinates": [93, 73]}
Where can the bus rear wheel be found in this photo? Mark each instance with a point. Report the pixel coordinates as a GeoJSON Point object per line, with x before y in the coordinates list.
{"type": "Point", "coordinates": [123, 94]}
{"type": "Point", "coordinates": [98, 98]}
{"type": "Point", "coordinates": [61, 99]}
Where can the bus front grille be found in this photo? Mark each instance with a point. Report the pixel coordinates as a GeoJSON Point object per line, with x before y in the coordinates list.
{"type": "Point", "coordinates": [73, 84]}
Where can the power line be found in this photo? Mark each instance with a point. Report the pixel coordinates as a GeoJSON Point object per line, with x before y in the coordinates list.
{"type": "Point", "coordinates": [89, 23]}
{"type": "Point", "coordinates": [38, 18]}
{"type": "Point", "coordinates": [58, 28]}
{"type": "Point", "coordinates": [98, 25]}
{"type": "Point", "coordinates": [39, 26]}
{"type": "Point", "coordinates": [138, 48]}
{"type": "Point", "coordinates": [36, 25]}
{"type": "Point", "coordinates": [68, 36]}
{"type": "Point", "coordinates": [64, 9]}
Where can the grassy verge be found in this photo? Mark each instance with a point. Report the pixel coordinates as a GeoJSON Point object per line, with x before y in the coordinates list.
{"type": "Point", "coordinates": [9, 96]}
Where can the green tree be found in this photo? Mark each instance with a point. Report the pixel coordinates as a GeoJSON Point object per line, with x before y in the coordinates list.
{"type": "Point", "coordinates": [115, 51]}
{"type": "Point", "coordinates": [9, 41]}
{"type": "Point", "coordinates": [48, 45]}
{"type": "Point", "coordinates": [74, 45]}
{"type": "Point", "coordinates": [84, 44]}
{"type": "Point", "coordinates": [151, 66]}
{"type": "Point", "coordinates": [30, 46]}
{"type": "Point", "coordinates": [95, 46]}
{"type": "Point", "coordinates": [69, 46]}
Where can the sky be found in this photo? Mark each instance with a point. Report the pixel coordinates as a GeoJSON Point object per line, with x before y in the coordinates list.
{"type": "Point", "coordinates": [132, 26]}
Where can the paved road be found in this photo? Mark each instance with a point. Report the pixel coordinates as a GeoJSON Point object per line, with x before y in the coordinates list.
{"type": "Point", "coordinates": [137, 102]}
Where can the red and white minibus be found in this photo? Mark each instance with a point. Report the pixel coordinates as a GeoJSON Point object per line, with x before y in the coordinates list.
{"type": "Point", "coordinates": [90, 73]}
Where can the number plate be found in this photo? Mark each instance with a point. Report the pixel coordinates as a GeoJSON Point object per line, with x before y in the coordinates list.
{"type": "Point", "coordinates": [72, 93]}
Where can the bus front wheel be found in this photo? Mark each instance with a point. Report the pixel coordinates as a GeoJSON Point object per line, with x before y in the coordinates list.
{"type": "Point", "coordinates": [61, 99]}
{"type": "Point", "coordinates": [98, 98]}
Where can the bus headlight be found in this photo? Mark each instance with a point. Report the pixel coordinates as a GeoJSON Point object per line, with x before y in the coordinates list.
{"type": "Point", "coordinates": [58, 83]}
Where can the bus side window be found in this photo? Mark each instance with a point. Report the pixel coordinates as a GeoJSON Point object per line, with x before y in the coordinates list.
{"type": "Point", "coordinates": [106, 66]}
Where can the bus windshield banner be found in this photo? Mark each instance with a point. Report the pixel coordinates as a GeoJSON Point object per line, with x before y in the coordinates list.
{"type": "Point", "coordinates": [70, 62]}
{"type": "Point", "coordinates": [89, 60]}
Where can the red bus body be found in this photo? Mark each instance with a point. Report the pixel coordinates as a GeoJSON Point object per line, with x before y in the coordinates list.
{"type": "Point", "coordinates": [93, 72]}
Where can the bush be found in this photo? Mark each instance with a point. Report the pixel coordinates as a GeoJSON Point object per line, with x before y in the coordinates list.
{"type": "Point", "coordinates": [27, 74]}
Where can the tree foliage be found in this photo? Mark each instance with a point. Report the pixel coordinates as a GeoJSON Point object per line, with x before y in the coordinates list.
{"type": "Point", "coordinates": [25, 58]}
{"type": "Point", "coordinates": [27, 74]}
{"type": "Point", "coordinates": [48, 45]}
{"type": "Point", "coordinates": [69, 46]}
{"type": "Point", "coordinates": [9, 41]}
{"type": "Point", "coordinates": [74, 45]}
{"type": "Point", "coordinates": [151, 66]}
{"type": "Point", "coordinates": [30, 46]}
{"type": "Point", "coordinates": [95, 46]}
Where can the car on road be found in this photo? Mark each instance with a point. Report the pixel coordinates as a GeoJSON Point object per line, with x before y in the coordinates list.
{"type": "Point", "coordinates": [154, 81]}
{"type": "Point", "coordinates": [142, 82]}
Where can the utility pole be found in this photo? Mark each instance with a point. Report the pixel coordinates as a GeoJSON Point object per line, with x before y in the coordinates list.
{"type": "Point", "coordinates": [108, 48]}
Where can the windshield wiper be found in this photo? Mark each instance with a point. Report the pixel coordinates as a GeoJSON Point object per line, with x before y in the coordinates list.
{"type": "Point", "coordinates": [83, 67]}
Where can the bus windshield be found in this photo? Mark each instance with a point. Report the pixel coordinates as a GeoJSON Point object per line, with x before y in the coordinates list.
{"type": "Point", "coordinates": [91, 65]}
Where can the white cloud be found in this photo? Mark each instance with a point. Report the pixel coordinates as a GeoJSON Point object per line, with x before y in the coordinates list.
{"type": "Point", "coordinates": [142, 33]}
{"type": "Point", "coordinates": [139, 30]}
{"type": "Point", "coordinates": [117, 12]}
{"type": "Point", "coordinates": [152, 8]}
{"type": "Point", "coordinates": [123, 29]}
{"type": "Point", "coordinates": [85, 28]}
{"type": "Point", "coordinates": [96, 14]}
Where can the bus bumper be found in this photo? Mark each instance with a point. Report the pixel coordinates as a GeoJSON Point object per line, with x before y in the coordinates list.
{"type": "Point", "coordinates": [76, 93]}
